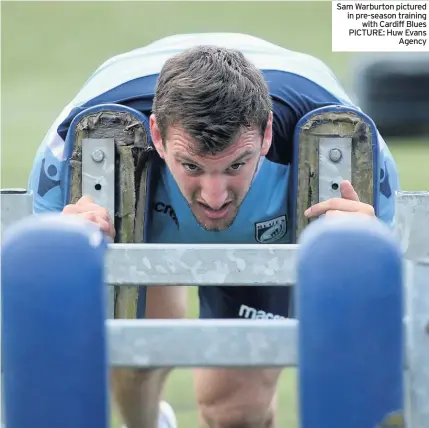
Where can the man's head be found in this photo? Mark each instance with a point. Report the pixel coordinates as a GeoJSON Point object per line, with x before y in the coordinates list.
{"type": "Point", "coordinates": [211, 123]}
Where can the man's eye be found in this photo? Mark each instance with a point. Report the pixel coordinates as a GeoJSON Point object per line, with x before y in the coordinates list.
{"type": "Point", "coordinates": [190, 167]}
{"type": "Point", "coordinates": [237, 166]}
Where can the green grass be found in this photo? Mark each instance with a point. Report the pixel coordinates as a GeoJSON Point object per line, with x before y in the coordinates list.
{"type": "Point", "coordinates": [49, 49]}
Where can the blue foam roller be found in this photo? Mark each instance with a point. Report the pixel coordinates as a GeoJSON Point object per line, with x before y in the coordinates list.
{"type": "Point", "coordinates": [53, 329]}
{"type": "Point", "coordinates": [350, 309]}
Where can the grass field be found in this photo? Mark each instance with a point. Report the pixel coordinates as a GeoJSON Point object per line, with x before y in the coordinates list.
{"type": "Point", "coordinates": [49, 49]}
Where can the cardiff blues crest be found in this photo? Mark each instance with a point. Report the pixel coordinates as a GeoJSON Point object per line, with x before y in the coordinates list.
{"type": "Point", "coordinates": [270, 231]}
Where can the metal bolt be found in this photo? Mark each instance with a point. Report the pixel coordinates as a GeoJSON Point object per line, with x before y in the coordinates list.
{"type": "Point", "coordinates": [335, 155]}
{"type": "Point", "coordinates": [97, 155]}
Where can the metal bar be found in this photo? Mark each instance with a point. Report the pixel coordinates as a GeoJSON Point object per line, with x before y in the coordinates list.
{"type": "Point", "coordinates": [202, 343]}
{"type": "Point", "coordinates": [202, 264]}
{"type": "Point", "coordinates": [412, 220]}
{"type": "Point", "coordinates": [98, 171]}
{"type": "Point", "coordinates": [417, 346]}
{"type": "Point", "coordinates": [98, 181]}
{"type": "Point", "coordinates": [15, 205]}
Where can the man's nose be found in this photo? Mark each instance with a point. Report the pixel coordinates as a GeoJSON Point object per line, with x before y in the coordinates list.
{"type": "Point", "coordinates": [214, 192]}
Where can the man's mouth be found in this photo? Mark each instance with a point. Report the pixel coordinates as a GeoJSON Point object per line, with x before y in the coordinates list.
{"type": "Point", "coordinates": [215, 214]}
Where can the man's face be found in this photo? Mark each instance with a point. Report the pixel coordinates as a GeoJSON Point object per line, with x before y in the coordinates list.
{"type": "Point", "coordinates": [214, 186]}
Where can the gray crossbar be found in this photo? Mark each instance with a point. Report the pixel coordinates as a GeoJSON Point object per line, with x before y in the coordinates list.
{"type": "Point", "coordinates": [202, 343]}
{"type": "Point", "coordinates": [212, 264]}
{"type": "Point", "coordinates": [206, 343]}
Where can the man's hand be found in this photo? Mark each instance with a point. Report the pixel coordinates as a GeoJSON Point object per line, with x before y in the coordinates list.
{"type": "Point", "coordinates": [348, 204]}
{"type": "Point", "coordinates": [87, 209]}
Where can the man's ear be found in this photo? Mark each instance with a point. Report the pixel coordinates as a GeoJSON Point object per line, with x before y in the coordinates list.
{"type": "Point", "coordinates": [268, 136]}
{"type": "Point", "coordinates": [156, 136]}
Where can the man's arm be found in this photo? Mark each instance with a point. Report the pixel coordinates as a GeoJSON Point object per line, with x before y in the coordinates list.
{"type": "Point", "coordinates": [289, 107]}
{"type": "Point", "coordinates": [46, 181]}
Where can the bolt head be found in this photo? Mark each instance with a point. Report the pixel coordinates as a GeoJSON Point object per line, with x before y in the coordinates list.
{"type": "Point", "coordinates": [335, 155]}
{"type": "Point", "coordinates": [97, 155]}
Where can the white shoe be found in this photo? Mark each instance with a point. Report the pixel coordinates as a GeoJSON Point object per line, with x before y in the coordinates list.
{"type": "Point", "coordinates": [167, 417]}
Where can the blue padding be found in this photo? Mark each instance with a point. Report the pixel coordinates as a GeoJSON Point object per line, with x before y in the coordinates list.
{"type": "Point", "coordinates": [349, 303]}
{"type": "Point", "coordinates": [54, 351]}
{"type": "Point", "coordinates": [70, 138]}
{"type": "Point", "coordinates": [295, 164]}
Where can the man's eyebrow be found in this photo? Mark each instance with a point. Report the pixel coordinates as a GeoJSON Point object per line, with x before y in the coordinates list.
{"type": "Point", "coordinates": [243, 155]}
{"type": "Point", "coordinates": [184, 158]}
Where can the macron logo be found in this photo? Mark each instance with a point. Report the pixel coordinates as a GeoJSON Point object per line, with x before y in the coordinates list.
{"type": "Point", "coordinates": [252, 313]}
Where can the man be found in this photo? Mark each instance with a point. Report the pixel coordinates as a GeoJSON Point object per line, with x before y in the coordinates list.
{"type": "Point", "coordinates": [222, 110]}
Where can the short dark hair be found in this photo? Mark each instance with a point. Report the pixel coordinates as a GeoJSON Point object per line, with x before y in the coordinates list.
{"type": "Point", "coordinates": [213, 93]}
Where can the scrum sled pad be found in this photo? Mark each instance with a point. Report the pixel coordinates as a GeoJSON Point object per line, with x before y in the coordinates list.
{"type": "Point", "coordinates": [332, 144]}
{"type": "Point", "coordinates": [108, 152]}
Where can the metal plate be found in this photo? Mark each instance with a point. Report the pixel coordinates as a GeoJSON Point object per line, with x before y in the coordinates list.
{"type": "Point", "coordinates": [98, 181]}
{"type": "Point", "coordinates": [335, 165]}
{"type": "Point", "coordinates": [98, 171]}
